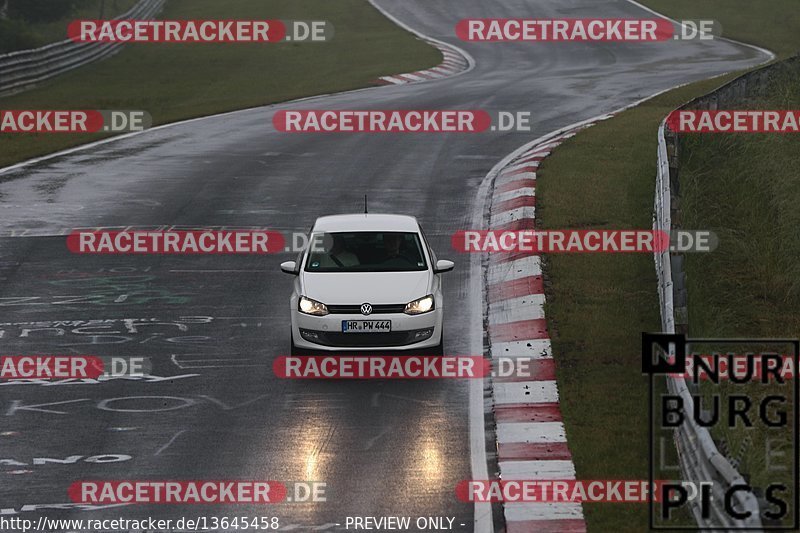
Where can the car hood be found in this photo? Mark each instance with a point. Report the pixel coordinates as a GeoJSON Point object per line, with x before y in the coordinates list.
{"type": "Point", "coordinates": [343, 288]}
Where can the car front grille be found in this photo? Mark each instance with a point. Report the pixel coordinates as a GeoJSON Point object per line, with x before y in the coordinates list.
{"type": "Point", "coordinates": [356, 309]}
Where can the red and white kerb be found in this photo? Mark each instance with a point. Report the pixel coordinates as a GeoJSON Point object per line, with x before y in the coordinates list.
{"type": "Point", "coordinates": [531, 441]}
{"type": "Point", "coordinates": [453, 62]}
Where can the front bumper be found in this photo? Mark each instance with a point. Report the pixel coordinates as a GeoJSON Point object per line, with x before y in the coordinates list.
{"type": "Point", "coordinates": [409, 332]}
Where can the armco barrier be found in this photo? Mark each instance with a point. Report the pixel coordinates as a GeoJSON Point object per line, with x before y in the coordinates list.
{"type": "Point", "coordinates": [700, 460]}
{"type": "Point", "coordinates": [20, 70]}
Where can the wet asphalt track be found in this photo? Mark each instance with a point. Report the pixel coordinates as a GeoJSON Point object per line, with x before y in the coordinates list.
{"type": "Point", "coordinates": [214, 324]}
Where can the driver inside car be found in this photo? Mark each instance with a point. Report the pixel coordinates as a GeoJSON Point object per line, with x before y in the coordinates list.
{"type": "Point", "coordinates": [337, 255]}
{"type": "Point", "coordinates": [392, 246]}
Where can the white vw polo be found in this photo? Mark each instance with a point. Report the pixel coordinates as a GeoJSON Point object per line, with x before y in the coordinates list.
{"type": "Point", "coordinates": [367, 282]}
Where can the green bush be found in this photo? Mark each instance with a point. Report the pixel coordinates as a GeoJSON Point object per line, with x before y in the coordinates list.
{"type": "Point", "coordinates": [14, 35]}
{"type": "Point", "coordinates": [40, 10]}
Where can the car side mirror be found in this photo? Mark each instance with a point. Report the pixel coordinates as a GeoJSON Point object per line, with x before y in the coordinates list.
{"type": "Point", "coordinates": [443, 265]}
{"type": "Point", "coordinates": [289, 267]}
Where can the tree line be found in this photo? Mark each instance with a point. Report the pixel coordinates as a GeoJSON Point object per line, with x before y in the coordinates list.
{"type": "Point", "coordinates": [21, 20]}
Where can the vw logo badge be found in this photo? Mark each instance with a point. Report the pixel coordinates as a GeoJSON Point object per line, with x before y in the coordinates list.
{"type": "Point", "coordinates": [366, 309]}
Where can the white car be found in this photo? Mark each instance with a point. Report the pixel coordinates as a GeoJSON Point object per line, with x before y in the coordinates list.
{"type": "Point", "coordinates": [367, 282]}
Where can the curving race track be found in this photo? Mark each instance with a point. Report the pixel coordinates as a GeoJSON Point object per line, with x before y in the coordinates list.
{"type": "Point", "coordinates": [212, 325]}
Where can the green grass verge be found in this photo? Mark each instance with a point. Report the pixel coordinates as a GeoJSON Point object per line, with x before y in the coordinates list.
{"type": "Point", "coordinates": [598, 305]}
{"type": "Point", "coordinates": [772, 24]}
{"type": "Point", "coordinates": [744, 187]}
{"type": "Point", "coordinates": [174, 82]}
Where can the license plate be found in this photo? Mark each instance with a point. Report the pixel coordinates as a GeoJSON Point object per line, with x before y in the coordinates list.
{"type": "Point", "coordinates": [366, 326]}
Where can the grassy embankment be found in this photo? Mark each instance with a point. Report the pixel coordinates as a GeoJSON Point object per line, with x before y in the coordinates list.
{"type": "Point", "coordinates": [599, 304]}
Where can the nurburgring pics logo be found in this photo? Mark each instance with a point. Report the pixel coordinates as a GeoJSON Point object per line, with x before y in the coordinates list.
{"type": "Point", "coordinates": [741, 399]}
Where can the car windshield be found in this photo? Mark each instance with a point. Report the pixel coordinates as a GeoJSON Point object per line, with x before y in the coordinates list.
{"type": "Point", "coordinates": [366, 251]}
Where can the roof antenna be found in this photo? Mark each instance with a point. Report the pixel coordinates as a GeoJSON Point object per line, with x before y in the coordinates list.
{"type": "Point", "coordinates": [365, 204]}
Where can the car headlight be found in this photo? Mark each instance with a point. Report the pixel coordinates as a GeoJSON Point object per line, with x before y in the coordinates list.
{"type": "Point", "coordinates": [419, 306]}
{"type": "Point", "coordinates": [312, 307]}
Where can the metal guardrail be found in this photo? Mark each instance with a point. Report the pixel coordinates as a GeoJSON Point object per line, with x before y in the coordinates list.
{"type": "Point", "coordinates": [24, 68]}
{"type": "Point", "coordinates": [700, 460]}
